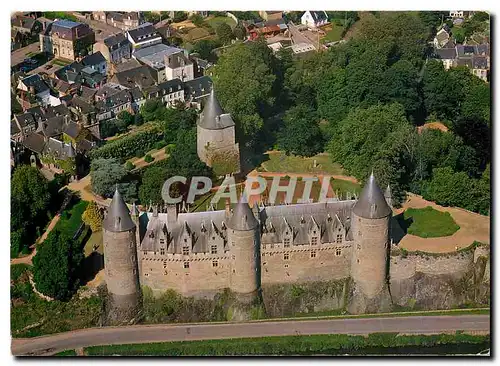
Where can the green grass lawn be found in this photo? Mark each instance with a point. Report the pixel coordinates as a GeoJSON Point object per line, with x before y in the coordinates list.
{"type": "Point", "coordinates": [328, 344]}
{"type": "Point", "coordinates": [215, 21]}
{"type": "Point", "coordinates": [344, 186]}
{"type": "Point", "coordinates": [60, 62]}
{"type": "Point", "coordinates": [70, 352]}
{"type": "Point", "coordinates": [335, 34]}
{"type": "Point", "coordinates": [279, 162]}
{"type": "Point", "coordinates": [430, 223]}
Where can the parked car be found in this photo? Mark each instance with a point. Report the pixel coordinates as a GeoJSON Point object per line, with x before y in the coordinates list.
{"type": "Point", "coordinates": [47, 67]}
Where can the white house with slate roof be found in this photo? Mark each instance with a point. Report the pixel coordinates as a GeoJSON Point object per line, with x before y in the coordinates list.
{"type": "Point", "coordinates": [314, 18]}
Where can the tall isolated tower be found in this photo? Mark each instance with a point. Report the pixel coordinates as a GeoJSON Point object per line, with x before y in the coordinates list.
{"type": "Point", "coordinates": [244, 242]}
{"type": "Point", "coordinates": [369, 268]}
{"type": "Point", "coordinates": [120, 263]}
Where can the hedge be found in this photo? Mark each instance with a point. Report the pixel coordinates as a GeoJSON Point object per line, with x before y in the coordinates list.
{"type": "Point", "coordinates": [125, 148]}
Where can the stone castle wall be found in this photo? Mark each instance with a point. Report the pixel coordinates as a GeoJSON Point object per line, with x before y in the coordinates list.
{"type": "Point", "coordinates": [202, 279]}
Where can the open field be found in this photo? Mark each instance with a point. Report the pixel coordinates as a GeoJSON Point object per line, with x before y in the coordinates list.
{"type": "Point", "coordinates": [276, 161]}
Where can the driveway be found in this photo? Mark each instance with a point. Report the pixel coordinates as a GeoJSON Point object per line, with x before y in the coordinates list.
{"type": "Point", "coordinates": [19, 55]}
{"type": "Point", "coordinates": [48, 345]}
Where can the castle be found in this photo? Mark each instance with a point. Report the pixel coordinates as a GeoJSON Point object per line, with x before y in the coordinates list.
{"type": "Point", "coordinates": [202, 253]}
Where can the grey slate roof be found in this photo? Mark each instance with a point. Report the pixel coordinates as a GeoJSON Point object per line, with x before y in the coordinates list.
{"type": "Point", "coordinates": [144, 32]}
{"type": "Point", "coordinates": [35, 142]}
{"type": "Point", "coordinates": [53, 126]}
{"type": "Point", "coordinates": [480, 62]}
{"type": "Point", "coordinates": [197, 88]}
{"type": "Point", "coordinates": [371, 203]}
{"type": "Point", "coordinates": [37, 82]}
{"type": "Point", "coordinates": [118, 217]}
{"type": "Point", "coordinates": [213, 117]}
{"type": "Point", "coordinates": [116, 41]}
{"type": "Point", "coordinates": [139, 76]}
{"type": "Point", "coordinates": [72, 129]}
{"type": "Point", "coordinates": [318, 15]}
{"type": "Point", "coordinates": [446, 53]}
{"type": "Point", "coordinates": [57, 148]}
{"type": "Point", "coordinates": [93, 59]}
{"type": "Point", "coordinates": [24, 119]}
{"type": "Point", "coordinates": [242, 218]}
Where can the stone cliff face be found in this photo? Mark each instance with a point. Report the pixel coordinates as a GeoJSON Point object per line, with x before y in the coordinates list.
{"type": "Point", "coordinates": [440, 281]}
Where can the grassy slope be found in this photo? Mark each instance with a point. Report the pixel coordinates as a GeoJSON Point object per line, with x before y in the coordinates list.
{"type": "Point", "coordinates": [279, 162]}
{"type": "Point", "coordinates": [292, 345]}
{"type": "Point", "coordinates": [430, 223]}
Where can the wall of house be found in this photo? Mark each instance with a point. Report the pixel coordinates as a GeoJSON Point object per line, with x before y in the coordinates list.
{"type": "Point", "coordinates": [184, 73]}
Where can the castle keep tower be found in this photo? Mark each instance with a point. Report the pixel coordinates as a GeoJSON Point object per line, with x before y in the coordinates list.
{"type": "Point", "coordinates": [370, 229]}
{"type": "Point", "coordinates": [216, 136]}
{"type": "Point", "coordinates": [120, 262]}
{"type": "Point", "coordinates": [244, 243]}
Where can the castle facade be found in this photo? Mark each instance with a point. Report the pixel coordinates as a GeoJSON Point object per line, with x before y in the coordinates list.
{"type": "Point", "coordinates": [242, 248]}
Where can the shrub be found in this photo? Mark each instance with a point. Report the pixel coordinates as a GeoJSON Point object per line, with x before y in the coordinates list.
{"type": "Point", "coordinates": [169, 148]}
{"type": "Point", "coordinates": [124, 148]}
{"type": "Point", "coordinates": [160, 144]}
{"type": "Point", "coordinates": [139, 153]}
{"type": "Point", "coordinates": [93, 216]}
{"type": "Point", "coordinates": [148, 158]}
{"type": "Point", "coordinates": [129, 165]}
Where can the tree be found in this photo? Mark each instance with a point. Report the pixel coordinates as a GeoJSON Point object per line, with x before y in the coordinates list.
{"type": "Point", "coordinates": [179, 16]}
{"type": "Point", "coordinates": [440, 95]}
{"type": "Point", "coordinates": [126, 117]}
{"type": "Point", "coordinates": [301, 134]}
{"type": "Point", "coordinates": [105, 174]}
{"type": "Point", "coordinates": [205, 47]}
{"type": "Point", "coordinates": [93, 217]}
{"type": "Point", "coordinates": [224, 32]}
{"type": "Point", "coordinates": [56, 266]}
{"type": "Point", "coordinates": [30, 190]}
{"type": "Point", "coordinates": [244, 82]}
{"type": "Point", "coordinates": [240, 31]}
{"type": "Point", "coordinates": [197, 20]}
{"type": "Point", "coordinates": [149, 108]}
{"type": "Point", "coordinates": [152, 183]}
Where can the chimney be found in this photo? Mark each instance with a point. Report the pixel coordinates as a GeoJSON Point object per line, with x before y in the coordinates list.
{"type": "Point", "coordinates": [172, 213]}
{"type": "Point", "coordinates": [228, 207]}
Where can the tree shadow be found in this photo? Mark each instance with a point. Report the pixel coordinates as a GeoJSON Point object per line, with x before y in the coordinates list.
{"type": "Point", "coordinates": [399, 227]}
{"type": "Point", "coordinates": [91, 266]}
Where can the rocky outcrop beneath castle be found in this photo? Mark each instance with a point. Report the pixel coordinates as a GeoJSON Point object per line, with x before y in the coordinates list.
{"type": "Point", "coordinates": [360, 303]}
{"type": "Point", "coordinates": [431, 281]}
{"type": "Point", "coordinates": [283, 300]}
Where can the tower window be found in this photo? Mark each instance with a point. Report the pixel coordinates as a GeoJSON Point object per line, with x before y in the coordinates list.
{"type": "Point", "coordinates": [358, 246]}
{"type": "Point", "coordinates": [185, 250]}
{"type": "Point", "coordinates": [164, 264]}
{"type": "Point", "coordinates": [314, 240]}
{"type": "Point", "coordinates": [339, 238]}
{"type": "Point", "coordinates": [162, 251]}
{"type": "Point", "coordinates": [146, 274]}
{"type": "Point", "coordinates": [162, 241]}
{"type": "Point", "coordinates": [338, 251]}
{"type": "Point", "coordinates": [214, 249]}
{"type": "Point", "coordinates": [186, 265]}
{"type": "Point", "coordinates": [286, 242]}
{"type": "Point", "coordinates": [313, 254]}
{"type": "Point", "coordinates": [286, 256]}
{"type": "Point", "coordinates": [286, 265]}
{"type": "Point", "coordinates": [215, 263]}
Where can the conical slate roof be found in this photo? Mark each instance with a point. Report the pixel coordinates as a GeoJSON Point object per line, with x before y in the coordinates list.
{"type": "Point", "coordinates": [243, 218]}
{"type": "Point", "coordinates": [371, 203]}
{"type": "Point", "coordinates": [118, 217]}
{"type": "Point", "coordinates": [211, 113]}
{"type": "Point", "coordinates": [388, 192]}
{"type": "Point", "coordinates": [134, 211]}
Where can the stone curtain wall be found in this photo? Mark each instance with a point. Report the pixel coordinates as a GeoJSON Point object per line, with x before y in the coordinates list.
{"type": "Point", "coordinates": [301, 267]}
{"type": "Point", "coordinates": [441, 281]}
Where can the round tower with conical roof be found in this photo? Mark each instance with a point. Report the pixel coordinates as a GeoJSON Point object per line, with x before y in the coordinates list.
{"type": "Point", "coordinates": [369, 267]}
{"type": "Point", "coordinates": [216, 135]}
{"type": "Point", "coordinates": [244, 244]}
{"type": "Point", "coordinates": [120, 263]}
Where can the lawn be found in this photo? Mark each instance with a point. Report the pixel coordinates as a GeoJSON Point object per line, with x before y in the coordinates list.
{"type": "Point", "coordinates": [278, 162]}
{"type": "Point", "coordinates": [328, 344]}
{"type": "Point", "coordinates": [333, 33]}
{"type": "Point", "coordinates": [344, 186]}
{"type": "Point", "coordinates": [215, 21]}
{"type": "Point", "coordinates": [429, 223]}
{"type": "Point", "coordinates": [95, 239]}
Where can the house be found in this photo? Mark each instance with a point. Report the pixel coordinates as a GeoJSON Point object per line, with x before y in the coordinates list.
{"type": "Point", "coordinates": [122, 20]}
{"type": "Point", "coordinates": [112, 105]}
{"type": "Point", "coordinates": [474, 57]}
{"type": "Point", "coordinates": [460, 14]}
{"type": "Point", "coordinates": [442, 37]}
{"type": "Point", "coordinates": [16, 40]}
{"type": "Point", "coordinates": [179, 66]}
{"type": "Point", "coordinates": [196, 90]}
{"type": "Point", "coordinates": [67, 39]}
{"type": "Point", "coordinates": [267, 29]}
{"type": "Point", "coordinates": [33, 89]}
{"type": "Point", "coordinates": [83, 111]}
{"type": "Point", "coordinates": [447, 55]}
{"type": "Point", "coordinates": [26, 25]}
{"type": "Point", "coordinates": [143, 36]}
{"type": "Point", "coordinates": [115, 48]}
{"type": "Point", "coordinates": [135, 77]}
{"type": "Point", "coordinates": [314, 19]}
{"type": "Point", "coordinates": [138, 99]}
{"type": "Point", "coordinates": [200, 66]}
{"type": "Point", "coordinates": [170, 92]}
{"type": "Point", "coordinates": [271, 14]}
{"type": "Point", "coordinates": [96, 61]}
{"type": "Point", "coordinates": [155, 58]}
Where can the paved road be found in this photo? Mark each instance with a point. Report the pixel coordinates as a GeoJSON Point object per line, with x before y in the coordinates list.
{"type": "Point", "coordinates": [17, 56]}
{"type": "Point", "coordinates": [47, 345]}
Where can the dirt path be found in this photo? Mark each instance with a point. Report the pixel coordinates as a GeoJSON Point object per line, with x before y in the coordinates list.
{"type": "Point", "coordinates": [141, 163]}
{"type": "Point", "coordinates": [472, 227]}
{"type": "Point", "coordinates": [29, 258]}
